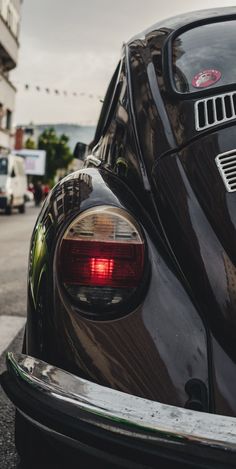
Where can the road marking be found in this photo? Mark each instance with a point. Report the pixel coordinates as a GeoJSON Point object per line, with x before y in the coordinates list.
{"type": "Point", "coordinates": [9, 328]}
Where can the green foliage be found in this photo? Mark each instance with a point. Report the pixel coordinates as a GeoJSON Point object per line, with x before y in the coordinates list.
{"type": "Point", "coordinates": [30, 144]}
{"type": "Point", "coordinates": [58, 152]}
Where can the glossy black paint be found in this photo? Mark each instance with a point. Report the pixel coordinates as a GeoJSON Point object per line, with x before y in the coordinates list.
{"type": "Point", "coordinates": [195, 205]}
{"type": "Point", "coordinates": [150, 160]}
{"type": "Point", "coordinates": [132, 353]}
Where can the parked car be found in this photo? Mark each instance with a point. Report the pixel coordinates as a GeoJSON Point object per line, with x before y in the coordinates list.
{"type": "Point", "coordinates": [129, 354]}
{"type": "Point", "coordinates": [13, 183]}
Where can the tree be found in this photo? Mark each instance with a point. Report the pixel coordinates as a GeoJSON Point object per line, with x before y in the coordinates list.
{"type": "Point", "coordinates": [58, 152]}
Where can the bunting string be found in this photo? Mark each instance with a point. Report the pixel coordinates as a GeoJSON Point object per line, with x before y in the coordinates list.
{"type": "Point", "coordinates": [58, 92]}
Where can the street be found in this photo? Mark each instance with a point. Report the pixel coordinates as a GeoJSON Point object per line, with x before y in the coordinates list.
{"type": "Point", "coordinates": [15, 232]}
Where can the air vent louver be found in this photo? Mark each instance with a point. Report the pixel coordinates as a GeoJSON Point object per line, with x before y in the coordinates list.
{"type": "Point", "coordinates": [226, 163]}
{"type": "Point", "coordinates": [216, 110]}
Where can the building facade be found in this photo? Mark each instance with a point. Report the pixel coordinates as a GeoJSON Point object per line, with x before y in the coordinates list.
{"type": "Point", "coordinates": [10, 13]}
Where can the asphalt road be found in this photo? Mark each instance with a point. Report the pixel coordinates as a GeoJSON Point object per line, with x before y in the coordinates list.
{"type": "Point", "coordinates": [15, 232]}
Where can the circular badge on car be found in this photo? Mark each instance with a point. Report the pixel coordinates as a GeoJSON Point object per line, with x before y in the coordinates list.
{"type": "Point", "coordinates": [206, 78]}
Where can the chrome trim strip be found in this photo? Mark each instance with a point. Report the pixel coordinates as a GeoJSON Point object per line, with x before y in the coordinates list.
{"type": "Point", "coordinates": [205, 112]}
{"type": "Point", "coordinates": [215, 119]}
{"type": "Point", "coordinates": [228, 174]}
{"type": "Point", "coordinates": [92, 159]}
{"type": "Point", "coordinates": [122, 413]}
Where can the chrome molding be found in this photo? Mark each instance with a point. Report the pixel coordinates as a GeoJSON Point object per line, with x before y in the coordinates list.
{"type": "Point", "coordinates": [124, 414]}
{"type": "Point", "coordinates": [226, 164]}
{"type": "Point", "coordinates": [92, 160]}
{"type": "Point", "coordinates": [215, 110]}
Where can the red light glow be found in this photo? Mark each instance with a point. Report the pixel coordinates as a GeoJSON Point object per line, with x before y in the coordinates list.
{"type": "Point", "coordinates": [98, 264]}
{"type": "Point", "coordinates": [101, 269]}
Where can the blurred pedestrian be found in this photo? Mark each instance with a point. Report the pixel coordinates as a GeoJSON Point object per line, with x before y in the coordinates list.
{"type": "Point", "coordinates": [46, 190]}
{"type": "Point", "coordinates": [31, 187]}
{"type": "Point", "coordinates": [38, 193]}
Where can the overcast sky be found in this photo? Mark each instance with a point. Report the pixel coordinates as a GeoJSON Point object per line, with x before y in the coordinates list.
{"type": "Point", "coordinates": [73, 46]}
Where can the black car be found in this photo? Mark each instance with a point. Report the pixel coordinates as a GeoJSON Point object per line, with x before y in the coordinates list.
{"type": "Point", "coordinates": [129, 354]}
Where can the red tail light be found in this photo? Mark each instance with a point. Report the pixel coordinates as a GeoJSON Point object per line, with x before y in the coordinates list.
{"type": "Point", "coordinates": [101, 271]}
{"type": "Point", "coordinates": [102, 257]}
{"type": "Point", "coordinates": [97, 263]}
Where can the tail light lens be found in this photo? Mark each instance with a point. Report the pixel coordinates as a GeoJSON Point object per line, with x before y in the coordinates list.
{"type": "Point", "coordinates": [102, 257]}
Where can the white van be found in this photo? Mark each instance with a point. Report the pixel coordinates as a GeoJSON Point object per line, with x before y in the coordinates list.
{"type": "Point", "coordinates": [13, 183]}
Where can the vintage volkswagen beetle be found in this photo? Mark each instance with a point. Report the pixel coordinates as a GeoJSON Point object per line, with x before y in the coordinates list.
{"type": "Point", "coordinates": [132, 271]}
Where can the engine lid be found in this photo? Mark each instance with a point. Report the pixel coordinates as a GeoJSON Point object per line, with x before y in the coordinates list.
{"type": "Point", "coordinates": [198, 213]}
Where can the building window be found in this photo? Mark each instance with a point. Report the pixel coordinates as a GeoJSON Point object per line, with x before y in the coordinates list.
{"type": "Point", "coordinates": [1, 115]}
{"type": "Point", "coordinates": [8, 119]}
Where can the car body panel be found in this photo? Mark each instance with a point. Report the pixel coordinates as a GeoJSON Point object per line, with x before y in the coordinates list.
{"type": "Point", "coordinates": [174, 340]}
{"type": "Point", "coordinates": [130, 353]}
{"type": "Point", "coordinates": [141, 138]}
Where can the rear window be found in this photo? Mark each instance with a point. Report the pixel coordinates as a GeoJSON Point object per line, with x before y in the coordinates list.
{"type": "Point", "coordinates": [3, 166]}
{"type": "Point", "coordinates": [205, 57]}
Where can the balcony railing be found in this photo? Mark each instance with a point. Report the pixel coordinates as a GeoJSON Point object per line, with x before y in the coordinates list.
{"type": "Point", "coordinates": [7, 93]}
{"type": "Point", "coordinates": [8, 46]}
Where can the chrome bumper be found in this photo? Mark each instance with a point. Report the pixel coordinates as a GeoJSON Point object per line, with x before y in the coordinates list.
{"type": "Point", "coordinates": [47, 394]}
